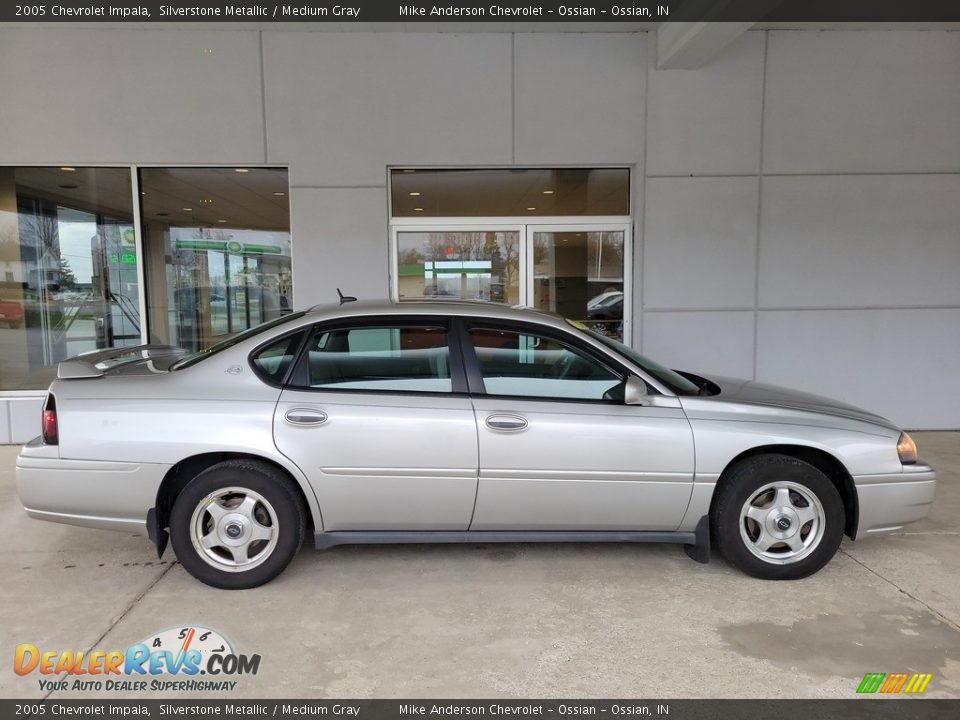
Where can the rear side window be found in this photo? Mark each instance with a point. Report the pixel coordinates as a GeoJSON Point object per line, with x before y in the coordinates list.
{"type": "Point", "coordinates": [272, 361]}
{"type": "Point", "coordinates": [394, 359]}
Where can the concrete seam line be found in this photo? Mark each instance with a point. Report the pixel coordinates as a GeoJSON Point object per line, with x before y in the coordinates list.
{"type": "Point", "coordinates": [933, 610]}
{"type": "Point", "coordinates": [116, 622]}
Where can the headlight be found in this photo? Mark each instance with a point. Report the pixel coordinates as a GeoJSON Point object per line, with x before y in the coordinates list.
{"type": "Point", "coordinates": [906, 449]}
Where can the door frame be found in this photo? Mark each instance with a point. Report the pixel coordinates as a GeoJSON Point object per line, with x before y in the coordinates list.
{"type": "Point", "coordinates": [526, 227]}
{"type": "Point", "coordinates": [607, 226]}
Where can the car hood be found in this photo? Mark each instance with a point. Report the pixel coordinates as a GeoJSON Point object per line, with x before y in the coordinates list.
{"type": "Point", "coordinates": [755, 393]}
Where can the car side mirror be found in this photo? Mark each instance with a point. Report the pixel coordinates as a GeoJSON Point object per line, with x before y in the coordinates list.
{"type": "Point", "coordinates": [635, 391]}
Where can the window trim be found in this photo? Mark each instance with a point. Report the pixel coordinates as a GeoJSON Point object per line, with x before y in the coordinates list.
{"type": "Point", "coordinates": [475, 373]}
{"type": "Point", "coordinates": [266, 379]}
{"type": "Point", "coordinates": [298, 375]}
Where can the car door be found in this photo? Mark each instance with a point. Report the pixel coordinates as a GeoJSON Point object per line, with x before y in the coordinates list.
{"type": "Point", "coordinates": [377, 417]}
{"type": "Point", "coordinates": [559, 450]}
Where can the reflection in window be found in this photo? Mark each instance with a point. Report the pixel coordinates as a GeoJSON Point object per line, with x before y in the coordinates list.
{"type": "Point", "coordinates": [580, 275]}
{"type": "Point", "coordinates": [411, 359]}
{"type": "Point", "coordinates": [531, 366]}
{"type": "Point", "coordinates": [217, 247]}
{"type": "Point", "coordinates": [455, 265]}
{"type": "Point", "coordinates": [514, 192]}
{"type": "Point", "coordinates": [68, 268]}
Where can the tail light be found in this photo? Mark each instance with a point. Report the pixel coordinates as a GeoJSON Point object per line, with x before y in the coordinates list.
{"type": "Point", "coordinates": [50, 433]}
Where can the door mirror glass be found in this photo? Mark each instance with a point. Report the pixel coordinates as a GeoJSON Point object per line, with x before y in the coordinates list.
{"type": "Point", "coordinates": [635, 391]}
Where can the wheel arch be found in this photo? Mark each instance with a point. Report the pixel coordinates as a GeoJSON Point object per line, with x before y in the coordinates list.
{"type": "Point", "coordinates": [828, 464]}
{"type": "Point", "coordinates": [181, 473]}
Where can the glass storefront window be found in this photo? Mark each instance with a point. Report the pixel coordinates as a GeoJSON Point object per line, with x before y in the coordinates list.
{"type": "Point", "coordinates": [513, 192]}
{"type": "Point", "coordinates": [459, 265]}
{"type": "Point", "coordinates": [68, 268]}
{"type": "Point", "coordinates": [217, 247]}
{"type": "Point", "coordinates": [579, 275]}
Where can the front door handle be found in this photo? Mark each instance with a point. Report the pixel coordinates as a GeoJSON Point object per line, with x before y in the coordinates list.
{"type": "Point", "coordinates": [305, 416]}
{"type": "Point", "coordinates": [506, 422]}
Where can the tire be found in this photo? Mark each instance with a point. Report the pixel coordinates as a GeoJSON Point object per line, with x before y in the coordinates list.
{"type": "Point", "coordinates": [777, 518]}
{"type": "Point", "coordinates": [260, 524]}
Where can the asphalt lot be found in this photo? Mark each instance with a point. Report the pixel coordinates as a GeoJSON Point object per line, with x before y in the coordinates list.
{"type": "Point", "coordinates": [508, 620]}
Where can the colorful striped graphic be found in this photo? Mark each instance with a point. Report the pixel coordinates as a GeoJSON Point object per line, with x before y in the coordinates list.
{"type": "Point", "coordinates": [894, 682]}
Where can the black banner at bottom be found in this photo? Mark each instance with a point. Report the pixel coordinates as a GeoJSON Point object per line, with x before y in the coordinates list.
{"type": "Point", "coordinates": [854, 709]}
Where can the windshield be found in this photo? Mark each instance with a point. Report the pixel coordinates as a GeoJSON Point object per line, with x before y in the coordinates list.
{"type": "Point", "coordinates": [233, 340]}
{"type": "Point", "coordinates": [674, 381]}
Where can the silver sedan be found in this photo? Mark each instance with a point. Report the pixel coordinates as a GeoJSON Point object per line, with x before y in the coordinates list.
{"type": "Point", "coordinates": [454, 422]}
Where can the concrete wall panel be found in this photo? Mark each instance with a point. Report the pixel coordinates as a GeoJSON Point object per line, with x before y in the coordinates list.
{"type": "Point", "coordinates": [339, 240]}
{"type": "Point", "coordinates": [709, 342]}
{"type": "Point", "coordinates": [898, 363]}
{"type": "Point", "coordinates": [75, 95]}
{"type": "Point", "coordinates": [862, 101]}
{"type": "Point", "coordinates": [579, 98]}
{"type": "Point", "coordinates": [707, 121]}
{"type": "Point", "coordinates": [24, 418]}
{"type": "Point", "coordinates": [700, 242]}
{"type": "Point", "coordinates": [341, 107]}
{"type": "Point", "coordinates": [860, 241]}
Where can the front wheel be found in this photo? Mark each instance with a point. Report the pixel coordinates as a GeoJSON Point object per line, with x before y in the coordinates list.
{"type": "Point", "coordinates": [237, 524]}
{"type": "Point", "coordinates": [777, 518]}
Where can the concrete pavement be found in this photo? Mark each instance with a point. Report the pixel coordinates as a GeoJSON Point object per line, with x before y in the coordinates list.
{"type": "Point", "coordinates": [508, 620]}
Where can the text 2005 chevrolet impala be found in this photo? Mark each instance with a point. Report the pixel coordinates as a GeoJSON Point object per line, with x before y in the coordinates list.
{"type": "Point", "coordinates": [454, 422]}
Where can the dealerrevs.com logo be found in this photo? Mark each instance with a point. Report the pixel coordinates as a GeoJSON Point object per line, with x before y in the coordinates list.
{"type": "Point", "coordinates": [190, 658]}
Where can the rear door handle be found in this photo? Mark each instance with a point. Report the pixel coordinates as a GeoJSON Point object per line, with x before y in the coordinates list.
{"type": "Point", "coordinates": [506, 422]}
{"type": "Point", "coordinates": [305, 416]}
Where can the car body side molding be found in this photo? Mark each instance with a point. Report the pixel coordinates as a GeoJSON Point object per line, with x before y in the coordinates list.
{"type": "Point", "coordinates": [324, 540]}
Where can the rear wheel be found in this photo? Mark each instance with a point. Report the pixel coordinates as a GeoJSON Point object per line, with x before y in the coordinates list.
{"type": "Point", "coordinates": [777, 518]}
{"type": "Point", "coordinates": [237, 524]}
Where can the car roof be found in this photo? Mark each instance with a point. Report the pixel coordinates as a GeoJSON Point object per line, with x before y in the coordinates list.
{"type": "Point", "coordinates": [471, 308]}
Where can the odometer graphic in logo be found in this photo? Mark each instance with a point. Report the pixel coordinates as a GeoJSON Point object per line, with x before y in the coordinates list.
{"type": "Point", "coordinates": [182, 640]}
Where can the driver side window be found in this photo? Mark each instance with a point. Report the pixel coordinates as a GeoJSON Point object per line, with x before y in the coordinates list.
{"type": "Point", "coordinates": [530, 365]}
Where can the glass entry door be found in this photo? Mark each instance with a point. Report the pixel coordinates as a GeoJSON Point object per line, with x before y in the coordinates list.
{"type": "Point", "coordinates": [578, 272]}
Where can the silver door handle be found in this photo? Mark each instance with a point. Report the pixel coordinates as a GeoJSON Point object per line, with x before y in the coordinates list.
{"type": "Point", "coordinates": [506, 422]}
{"type": "Point", "coordinates": [305, 416]}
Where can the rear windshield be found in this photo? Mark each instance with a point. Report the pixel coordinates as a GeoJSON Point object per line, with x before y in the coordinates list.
{"type": "Point", "coordinates": [234, 340]}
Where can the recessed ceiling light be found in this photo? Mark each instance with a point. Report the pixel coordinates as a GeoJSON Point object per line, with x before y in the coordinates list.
{"type": "Point", "coordinates": [206, 201]}
{"type": "Point", "coordinates": [68, 169]}
{"type": "Point", "coordinates": [221, 221]}
{"type": "Point", "coordinates": [142, 193]}
{"type": "Point", "coordinates": [241, 170]}
{"type": "Point", "coordinates": [188, 209]}
{"type": "Point", "coordinates": [414, 194]}
{"type": "Point", "coordinates": [418, 209]}
{"type": "Point", "coordinates": [279, 194]}
{"type": "Point", "coordinates": [548, 192]}
{"type": "Point", "coordinates": [531, 208]}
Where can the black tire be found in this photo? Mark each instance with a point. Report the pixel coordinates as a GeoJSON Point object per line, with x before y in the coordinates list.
{"type": "Point", "coordinates": [258, 478]}
{"type": "Point", "coordinates": [743, 483]}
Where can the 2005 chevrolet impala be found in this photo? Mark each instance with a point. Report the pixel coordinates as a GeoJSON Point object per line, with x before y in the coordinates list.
{"type": "Point", "coordinates": [454, 422]}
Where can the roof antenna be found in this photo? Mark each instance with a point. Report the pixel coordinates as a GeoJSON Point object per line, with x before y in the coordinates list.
{"type": "Point", "coordinates": [345, 298]}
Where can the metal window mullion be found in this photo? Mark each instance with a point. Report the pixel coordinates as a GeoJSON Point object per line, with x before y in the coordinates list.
{"type": "Point", "coordinates": [141, 256]}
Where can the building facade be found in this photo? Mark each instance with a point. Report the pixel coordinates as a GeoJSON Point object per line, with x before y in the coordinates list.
{"type": "Point", "coordinates": [789, 212]}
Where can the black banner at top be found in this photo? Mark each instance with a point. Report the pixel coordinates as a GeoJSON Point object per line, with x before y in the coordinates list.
{"type": "Point", "coordinates": [512, 11]}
